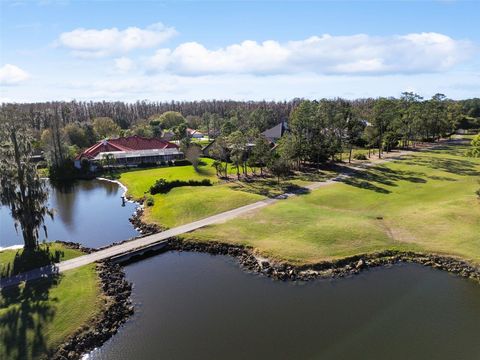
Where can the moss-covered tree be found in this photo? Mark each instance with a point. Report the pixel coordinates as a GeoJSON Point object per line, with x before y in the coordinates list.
{"type": "Point", "coordinates": [21, 189]}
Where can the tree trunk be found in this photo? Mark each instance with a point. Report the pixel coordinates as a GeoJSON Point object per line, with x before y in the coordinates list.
{"type": "Point", "coordinates": [27, 227]}
{"type": "Point", "coordinates": [350, 154]}
{"type": "Point", "coordinates": [30, 243]}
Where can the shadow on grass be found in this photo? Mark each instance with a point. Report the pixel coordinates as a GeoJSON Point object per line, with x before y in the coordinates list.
{"type": "Point", "coordinates": [379, 178]}
{"type": "Point", "coordinates": [269, 187]}
{"type": "Point", "coordinates": [202, 169]}
{"type": "Point", "coordinates": [26, 260]}
{"type": "Point", "coordinates": [27, 308]}
{"type": "Point", "coordinates": [462, 167]}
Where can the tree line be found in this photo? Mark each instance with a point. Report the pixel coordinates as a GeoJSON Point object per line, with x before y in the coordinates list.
{"type": "Point", "coordinates": [320, 131]}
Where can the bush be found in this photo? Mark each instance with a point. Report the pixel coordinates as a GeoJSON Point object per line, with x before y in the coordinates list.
{"type": "Point", "coordinates": [359, 156]}
{"type": "Point", "coordinates": [146, 165]}
{"type": "Point", "coordinates": [149, 201]}
{"type": "Point", "coordinates": [181, 162]}
{"type": "Point", "coordinates": [162, 186]}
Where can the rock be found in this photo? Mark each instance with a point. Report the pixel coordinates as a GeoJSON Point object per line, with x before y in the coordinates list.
{"type": "Point", "coordinates": [360, 264]}
{"type": "Point", "coordinates": [264, 264]}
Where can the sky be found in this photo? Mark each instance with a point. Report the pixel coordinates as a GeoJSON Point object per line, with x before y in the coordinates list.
{"type": "Point", "coordinates": [241, 50]}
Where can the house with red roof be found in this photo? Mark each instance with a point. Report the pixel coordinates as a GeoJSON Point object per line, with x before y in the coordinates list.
{"type": "Point", "coordinates": [130, 151]}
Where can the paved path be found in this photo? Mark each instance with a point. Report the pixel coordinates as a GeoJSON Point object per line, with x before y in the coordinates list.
{"type": "Point", "coordinates": [164, 235]}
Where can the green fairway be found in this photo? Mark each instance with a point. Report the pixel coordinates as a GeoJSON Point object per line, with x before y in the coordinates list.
{"type": "Point", "coordinates": [187, 204]}
{"type": "Point", "coordinates": [425, 202]}
{"type": "Point", "coordinates": [138, 182]}
{"type": "Point", "coordinates": [37, 316]}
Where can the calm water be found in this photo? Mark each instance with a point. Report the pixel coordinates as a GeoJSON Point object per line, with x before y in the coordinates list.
{"type": "Point", "coordinates": [197, 306]}
{"type": "Point", "coordinates": [87, 212]}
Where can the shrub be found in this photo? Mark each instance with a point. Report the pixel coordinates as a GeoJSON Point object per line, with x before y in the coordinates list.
{"type": "Point", "coordinates": [359, 156]}
{"type": "Point", "coordinates": [146, 165]}
{"type": "Point", "coordinates": [182, 162]}
{"type": "Point", "coordinates": [162, 186]}
{"type": "Point", "coordinates": [149, 201]}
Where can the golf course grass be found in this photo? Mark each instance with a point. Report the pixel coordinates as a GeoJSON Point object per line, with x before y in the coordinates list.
{"type": "Point", "coordinates": [185, 204]}
{"type": "Point", "coordinates": [425, 202]}
{"type": "Point", "coordinates": [15, 261]}
{"type": "Point", "coordinates": [37, 316]}
{"type": "Point", "coordinates": [138, 182]}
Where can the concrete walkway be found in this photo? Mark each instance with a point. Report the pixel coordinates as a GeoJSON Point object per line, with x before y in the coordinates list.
{"type": "Point", "coordinates": [164, 235]}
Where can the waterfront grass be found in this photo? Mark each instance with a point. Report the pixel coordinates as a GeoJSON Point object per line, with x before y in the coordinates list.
{"type": "Point", "coordinates": [37, 316]}
{"type": "Point", "coordinates": [139, 182]}
{"type": "Point", "coordinates": [182, 205]}
{"type": "Point", "coordinates": [15, 261]}
{"type": "Point", "coordinates": [187, 204]}
{"type": "Point", "coordinates": [425, 202]}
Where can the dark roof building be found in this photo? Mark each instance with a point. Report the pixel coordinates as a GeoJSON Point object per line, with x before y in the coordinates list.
{"type": "Point", "coordinates": [275, 133]}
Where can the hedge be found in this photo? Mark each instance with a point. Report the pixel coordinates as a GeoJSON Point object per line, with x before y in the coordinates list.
{"type": "Point", "coordinates": [163, 186]}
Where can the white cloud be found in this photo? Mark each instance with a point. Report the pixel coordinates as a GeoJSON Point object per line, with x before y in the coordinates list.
{"type": "Point", "coordinates": [326, 54]}
{"type": "Point", "coordinates": [104, 42]}
{"type": "Point", "coordinates": [124, 64]}
{"type": "Point", "coordinates": [458, 84]}
{"type": "Point", "coordinates": [12, 75]}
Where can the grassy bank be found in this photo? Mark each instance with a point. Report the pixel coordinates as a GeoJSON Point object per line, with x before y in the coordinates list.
{"type": "Point", "coordinates": [138, 182]}
{"type": "Point", "coordinates": [37, 316]}
{"type": "Point", "coordinates": [16, 261]}
{"type": "Point", "coordinates": [425, 202]}
{"type": "Point", "coordinates": [185, 204]}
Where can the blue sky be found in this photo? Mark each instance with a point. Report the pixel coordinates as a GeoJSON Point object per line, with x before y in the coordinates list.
{"type": "Point", "coordinates": [248, 50]}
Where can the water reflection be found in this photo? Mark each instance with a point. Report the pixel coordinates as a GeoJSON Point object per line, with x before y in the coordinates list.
{"type": "Point", "coordinates": [88, 212]}
{"type": "Point", "coordinates": [64, 196]}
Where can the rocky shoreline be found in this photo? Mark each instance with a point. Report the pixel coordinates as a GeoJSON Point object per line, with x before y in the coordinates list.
{"type": "Point", "coordinates": [142, 227]}
{"type": "Point", "coordinates": [117, 308]}
{"type": "Point", "coordinates": [117, 290]}
{"type": "Point", "coordinates": [327, 269]}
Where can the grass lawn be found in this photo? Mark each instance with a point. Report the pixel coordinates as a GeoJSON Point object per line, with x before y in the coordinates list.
{"type": "Point", "coordinates": [56, 252]}
{"type": "Point", "coordinates": [426, 202]}
{"type": "Point", "coordinates": [201, 142]}
{"type": "Point", "coordinates": [186, 204]}
{"type": "Point", "coordinates": [37, 316]}
{"type": "Point", "coordinates": [138, 182]}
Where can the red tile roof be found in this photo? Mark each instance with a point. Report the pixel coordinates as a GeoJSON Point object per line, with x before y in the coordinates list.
{"type": "Point", "coordinates": [130, 143]}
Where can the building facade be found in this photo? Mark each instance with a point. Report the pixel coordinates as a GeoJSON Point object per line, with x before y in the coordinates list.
{"type": "Point", "coordinates": [130, 151]}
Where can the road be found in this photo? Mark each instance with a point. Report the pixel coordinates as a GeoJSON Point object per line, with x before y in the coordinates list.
{"type": "Point", "coordinates": [164, 235]}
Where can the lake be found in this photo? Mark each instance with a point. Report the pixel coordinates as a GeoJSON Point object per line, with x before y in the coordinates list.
{"type": "Point", "coordinates": [88, 212]}
{"type": "Point", "coordinates": [199, 306]}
